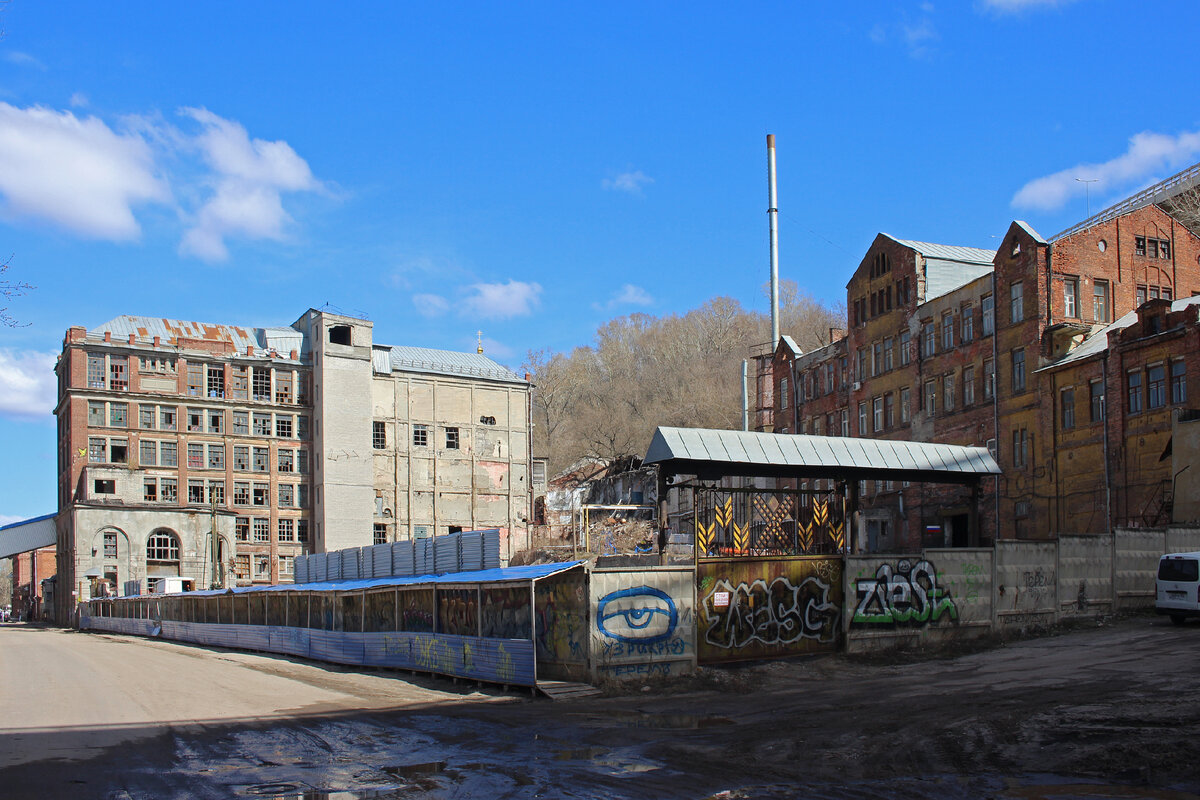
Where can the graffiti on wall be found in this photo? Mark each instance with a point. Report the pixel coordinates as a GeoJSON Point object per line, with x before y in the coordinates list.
{"type": "Point", "coordinates": [908, 594]}
{"type": "Point", "coordinates": [772, 613]}
{"type": "Point", "coordinates": [640, 621]}
{"type": "Point", "coordinates": [750, 609]}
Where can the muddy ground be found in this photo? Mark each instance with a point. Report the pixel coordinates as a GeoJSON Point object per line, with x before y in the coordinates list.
{"type": "Point", "coordinates": [1109, 710]}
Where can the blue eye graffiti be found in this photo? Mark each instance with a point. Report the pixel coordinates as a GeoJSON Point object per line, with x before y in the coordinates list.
{"type": "Point", "coordinates": [641, 614]}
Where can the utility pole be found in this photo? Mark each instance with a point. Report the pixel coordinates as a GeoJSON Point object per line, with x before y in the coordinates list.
{"type": "Point", "coordinates": [214, 550]}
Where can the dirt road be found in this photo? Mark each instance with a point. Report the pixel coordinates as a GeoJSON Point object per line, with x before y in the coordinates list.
{"type": "Point", "coordinates": [88, 715]}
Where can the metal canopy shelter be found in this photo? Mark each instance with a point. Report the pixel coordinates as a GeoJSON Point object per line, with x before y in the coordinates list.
{"type": "Point", "coordinates": [32, 534]}
{"type": "Point", "coordinates": [711, 454]}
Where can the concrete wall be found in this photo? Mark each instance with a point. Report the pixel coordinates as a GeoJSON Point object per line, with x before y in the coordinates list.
{"type": "Point", "coordinates": [939, 595]}
{"type": "Point", "coordinates": [642, 623]}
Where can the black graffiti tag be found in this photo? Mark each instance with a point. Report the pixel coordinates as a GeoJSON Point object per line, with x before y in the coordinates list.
{"type": "Point", "coordinates": [778, 613]}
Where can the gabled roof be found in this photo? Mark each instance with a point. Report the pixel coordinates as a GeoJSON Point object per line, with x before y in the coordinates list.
{"type": "Point", "coordinates": [948, 266]}
{"type": "Point", "coordinates": [265, 340]}
{"type": "Point", "coordinates": [1025, 226]}
{"type": "Point", "coordinates": [791, 344]}
{"type": "Point", "coordinates": [710, 453]}
{"type": "Point", "coordinates": [441, 362]}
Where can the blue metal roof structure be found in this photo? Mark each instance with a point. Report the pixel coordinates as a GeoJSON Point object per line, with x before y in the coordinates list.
{"type": "Point", "coordinates": [533, 572]}
{"type": "Point", "coordinates": [30, 534]}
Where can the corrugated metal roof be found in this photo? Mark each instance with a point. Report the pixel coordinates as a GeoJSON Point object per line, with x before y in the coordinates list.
{"type": "Point", "coordinates": [791, 343]}
{"type": "Point", "coordinates": [781, 452]}
{"type": "Point", "coordinates": [949, 252]}
{"type": "Point", "coordinates": [1037, 237]}
{"type": "Point", "coordinates": [1187, 180]}
{"type": "Point", "coordinates": [21, 537]}
{"type": "Point", "coordinates": [441, 362]}
{"type": "Point", "coordinates": [264, 340]}
{"type": "Point", "coordinates": [532, 572]}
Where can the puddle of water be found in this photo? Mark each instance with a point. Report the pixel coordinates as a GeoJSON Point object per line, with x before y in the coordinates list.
{"type": "Point", "coordinates": [416, 770]}
{"type": "Point", "coordinates": [638, 719]}
{"type": "Point", "coordinates": [580, 754]}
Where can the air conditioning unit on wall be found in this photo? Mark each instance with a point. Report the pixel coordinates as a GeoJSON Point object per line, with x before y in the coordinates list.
{"type": "Point", "coordinates": [857, 386]}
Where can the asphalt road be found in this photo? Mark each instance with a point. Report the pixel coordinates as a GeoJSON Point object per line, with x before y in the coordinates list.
{"type": "Point", "coordinates": [1111, 711]}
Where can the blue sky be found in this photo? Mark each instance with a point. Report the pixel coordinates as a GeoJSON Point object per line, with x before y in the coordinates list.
{"type": "Point", "coordinates": [532, 170]}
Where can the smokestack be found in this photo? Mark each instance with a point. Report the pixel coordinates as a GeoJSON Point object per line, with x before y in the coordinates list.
{"type": "Point", "coordinates": [773, 220]}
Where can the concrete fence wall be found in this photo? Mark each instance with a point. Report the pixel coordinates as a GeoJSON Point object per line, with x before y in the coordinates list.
{"type": "Point", "coordinates": [938, 595]}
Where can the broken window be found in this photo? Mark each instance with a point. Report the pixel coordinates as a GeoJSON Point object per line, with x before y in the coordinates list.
{"type": "Point", "coordinates": [239, 382]}
{"type": "Point", "coordinates": [302, 495]}
{"type": "Point", "coordinates": [262, 530]}
{"type": "Point", "coordinates": [302, 462]}
{"type": "Point", "coordinates": [110, 545]}
{"type": "Point", "coordinates": [302, 427]}
{"type": "Point", "coordinates": [216, 421]}
{"type": "Point", "coordinates": [241, 567]}
{"type": "Point", "coordinates": [195, 420]}
{"type": "Point", "coordinates": [283, 387]}
{"type": "Point", "coordinates": [166, 418]}
{"type": "Point", "coordinates": [241, 423]}
{"type": "Point", "coordinates": [195, 456]}
{"type": "Point", "coordinates": [262, 568]}
{"type": "Point", "coordinates": [118, 373]}
{"type": "Point", "coordinates": [146, 417]}
{"type": "Point", "coordinates": [451, 438]}
{"type": "Point", "coordinates": [286, 494]}
{"type": "Point", "coordinates": [147, 453]}
{"type": "Point", "coordinates": [286, 565]}
{"type": "Point", "coordinates": [216, 493]}
{"type": "Point", "coordinates": [262, 458]}
{"type": "Point", "coordinates": [420, 436]}
{"type": "Point", "coordinates": [150, 490]}
{"type": "Point", "coordinates": [241, 529]}
{"type": "Point", "coordinates": [380, 534]}
{"type": "Point", "coordinates": [195, 380]}
{"type": "Point", "coordinates": [304, 389]}
{"type": "Point", "coordinates": [162, 546]}
{"type": "Point", "coordinates": [241, 493]}
{"type": "Point", "coordinates": [241, 459]}
{"type": "Point", "coordinates": [96, 413]}
{"type": "Point", "coordinates": [101, 486]}
{"type": "Point", "coordinates": [287, 530]}
{"type": "Point", "coordinates": [168, 490]}
{"type": "Point", "coordinates": [283, 426]}
{"type": "Point", "coordinates": [195, 492]}
{"type": "Point", "coordinates": [95, 371]}
{"type": "Point", "coordinates": [301, 530]}
{"type": "Point", "coordinates": [379, 435]}
{"type": "Point", "coordinates": [216, 456]}
{"type": "Point", "coordinates": [262, 424]}
{"type": "Point", "coordinates": [216, 381]}
{"type": "Point", "coordinates": [261, 495]}
{"type": "Point", "coordinates": [168, 454]}
{"type": "Point", "coordinates": [339, 334]}
{"type": "Point", "coordinates": [262, 383]}
{"type": "Point", "coordinates": [118, 451]}
{"type": "Point", "coordinates": [286, 460]}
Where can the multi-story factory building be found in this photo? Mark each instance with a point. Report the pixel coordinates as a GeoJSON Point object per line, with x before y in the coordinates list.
{"type": "Point", "coordinates": [219, 453]}
{"type": "Point", "coordinates": [1068, 357]}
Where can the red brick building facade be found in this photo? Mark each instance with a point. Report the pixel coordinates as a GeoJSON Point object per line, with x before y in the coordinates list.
{"type": "Point", "coordinates": [1035, 351]}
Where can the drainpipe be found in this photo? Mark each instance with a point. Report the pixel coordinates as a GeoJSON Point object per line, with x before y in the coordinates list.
{"type": "Point", "coordinates": [996, 394]}
{"type": "Point", "coordinates": [1107, 476]}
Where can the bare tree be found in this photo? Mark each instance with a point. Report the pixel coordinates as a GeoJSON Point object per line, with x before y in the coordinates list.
{"type": "Point", "coordinates": [8, 290]}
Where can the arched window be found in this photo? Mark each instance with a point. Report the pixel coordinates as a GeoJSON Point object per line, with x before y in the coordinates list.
{"type": "Point", "coordinates": [162, 546]}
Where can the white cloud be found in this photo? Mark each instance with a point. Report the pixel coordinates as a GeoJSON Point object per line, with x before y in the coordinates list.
{"type": "Point", "coordinates": [430, 305]}
{"type": "Point", "coordinates": [27, 384]}
{"type": "Point", "coordinates": [79, 100]}
{"type": "Point", "coordinates": [502, 300]}
{"type": "Point", "coordinates": [1017, 6]}
{"type": "Point", "coordinates": [23, 60]}
{"type": "Point", "coordinates": [75, 173]}
{"type": "Point", "coordinates": [250, 178]}
{"type": "Point", "coordinates": [917, 34]}
{"type": "Point", "coordinates": [630, 182]}
{"type": "Point", "coordinates": [1147, 154]}
{"type": "Point", "coordinates": [629, 295]}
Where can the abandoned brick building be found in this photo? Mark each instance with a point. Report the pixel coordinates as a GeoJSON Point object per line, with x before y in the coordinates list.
{"type": "Point", "coordinates": [1068, 357]}
{"type": "Point", "coordinates": [280, 441]}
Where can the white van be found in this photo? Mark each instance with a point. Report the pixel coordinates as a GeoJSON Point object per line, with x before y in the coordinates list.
{"type": "Point", "coordinates": [1178, 586]}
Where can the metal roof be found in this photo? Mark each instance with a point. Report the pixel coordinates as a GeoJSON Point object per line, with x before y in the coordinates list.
{"type": "Point", "coordinates": [1162, 192]}
{"type": "Point", "coordinates": [712, 453]}
{"type": "Point", "coordinates": [533, 572]}
{"type": "Point", "coordinates": [442, 362]}
{"type": "Point", "coordinates": [949, 252]}
{"type": "Point", "coordinates": [32, 534]}
{"type": "Point", "coordinates": [791, 343]}
{"type": "Point", "coordinates": [264, 340]}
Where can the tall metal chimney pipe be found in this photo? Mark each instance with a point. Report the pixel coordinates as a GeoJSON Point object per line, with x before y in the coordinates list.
{"type": "Point", "coordinates": [773, 220]}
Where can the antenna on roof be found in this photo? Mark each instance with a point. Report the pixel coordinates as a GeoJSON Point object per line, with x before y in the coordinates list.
{"type": "Point", "coordinates": [479, 342]}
